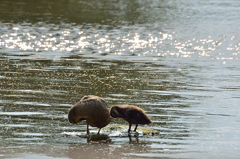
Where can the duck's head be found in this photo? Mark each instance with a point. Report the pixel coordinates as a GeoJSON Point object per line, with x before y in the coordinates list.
{"type": "Point", "coordinates": [114, 112]}
{"type": "Point", "coordinates": [73, 117]}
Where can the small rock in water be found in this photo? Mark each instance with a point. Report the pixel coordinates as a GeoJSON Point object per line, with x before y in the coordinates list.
{"type": "Point", "coordinates": [121, 130]}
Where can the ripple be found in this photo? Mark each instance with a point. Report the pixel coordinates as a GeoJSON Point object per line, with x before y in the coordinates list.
{"type": "Point", "coordinates": [16, 125]}
{"type": "Point", "coordinates": [21, 113]}
{"type": "Point", "coordinates": [32, 134]}
{"type": "Point", "coordinates": [33, 103]}
{"type": "Point", "coordinates": [179, 61]}
{"type": "Point", "coordinates": [107, 45]}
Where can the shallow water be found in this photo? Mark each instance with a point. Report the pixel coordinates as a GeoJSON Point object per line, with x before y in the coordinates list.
{"type": "Point", "coordinates": [178, 60]}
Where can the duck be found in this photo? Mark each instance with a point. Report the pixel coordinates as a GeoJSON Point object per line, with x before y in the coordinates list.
{"type": "Point", "coordinates": [131, 113]}
{"type": "Point", "coordinates": [93, 110]}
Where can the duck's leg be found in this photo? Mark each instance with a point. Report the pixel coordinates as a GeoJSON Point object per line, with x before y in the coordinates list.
{"type": "Point", "coordinates": [135, 128]}
{"type": "Point", "coordinates": [129, 129]}
{"type": "Point", "coordinates": [99, 131]}
{"type": "Point", "coordinates": [88, 129]}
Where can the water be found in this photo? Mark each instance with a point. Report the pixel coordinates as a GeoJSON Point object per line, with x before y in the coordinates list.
{"type": "Point", "coordinates": [178, 60]}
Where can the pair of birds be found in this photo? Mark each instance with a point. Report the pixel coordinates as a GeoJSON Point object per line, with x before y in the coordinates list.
{"type": "Point", "coordinates": [94, 110]}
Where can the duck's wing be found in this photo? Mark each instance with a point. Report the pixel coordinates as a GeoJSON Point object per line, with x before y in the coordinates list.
{"type": "Point", "coordinates": [138, 116]}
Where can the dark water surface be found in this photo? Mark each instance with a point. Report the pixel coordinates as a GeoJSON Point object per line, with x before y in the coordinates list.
{"type": "Point", "coordinates": [178, 60]}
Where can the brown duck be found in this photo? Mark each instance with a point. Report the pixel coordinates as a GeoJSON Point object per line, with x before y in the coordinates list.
{"type": "Point", "coordinates": [91, 108]}
{"type": "Point", "coordinates": [132, 114]}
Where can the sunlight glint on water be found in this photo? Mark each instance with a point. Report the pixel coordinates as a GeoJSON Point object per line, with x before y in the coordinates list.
{"type": "Point", "coordinates": [154, 46]}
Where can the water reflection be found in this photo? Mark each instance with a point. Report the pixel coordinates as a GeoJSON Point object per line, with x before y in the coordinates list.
{"type": "Point", "coordinates": [43, 43]}
{"type": "Point", "coordinates": [178, 60]}
{"type": "Point", "coordinates": [36, 99]}
{"type": "Point", "coordinates": [133, 141]}
{"type": "Point", "coordinates": [113, 13]}
{"type": "Point", "coordinates": [98, 139]}
{"type": "Point", "coordinates": [36, 95]}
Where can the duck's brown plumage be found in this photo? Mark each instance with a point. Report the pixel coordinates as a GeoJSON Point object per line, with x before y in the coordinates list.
{"type": "Point", "coordinates": [91, 108]}
{"type": "Point", "coordinates": [131, 113]}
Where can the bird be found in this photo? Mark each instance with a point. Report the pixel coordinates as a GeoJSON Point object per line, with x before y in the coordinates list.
{"type": "Point", "coordinates": [131, 113]}
{"type": "Point", "coordinates": [91, 108]}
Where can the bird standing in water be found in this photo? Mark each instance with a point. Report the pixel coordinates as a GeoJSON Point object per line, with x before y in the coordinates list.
{"type": "Point", "coordinates": [91, 108]}
{"type": "Point", "coordinates": [132, 114]}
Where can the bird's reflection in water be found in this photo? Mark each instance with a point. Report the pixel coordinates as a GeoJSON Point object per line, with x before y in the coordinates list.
{"type": "Point", "coordinates": [136, 141]}
{"type": "Point", "coordinates": [133, 138]}
{"type": "Point", "coordinates": [105, 146]}
{"type": "Point", "coordinates": [98, 138]}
